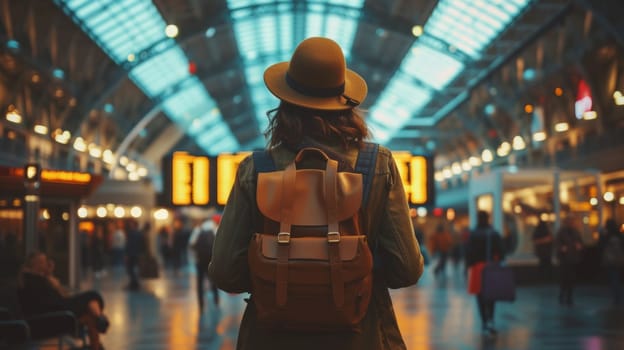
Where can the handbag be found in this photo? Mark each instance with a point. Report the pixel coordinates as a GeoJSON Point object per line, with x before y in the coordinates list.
{"type": "Point", "coordinates": [497, 280]}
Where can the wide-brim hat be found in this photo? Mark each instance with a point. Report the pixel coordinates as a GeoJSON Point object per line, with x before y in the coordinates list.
{"type": "Point", "coordinates": [316, 77]}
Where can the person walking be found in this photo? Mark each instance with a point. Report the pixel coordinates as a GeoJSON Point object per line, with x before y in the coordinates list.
{"type": "Point", "coordinates": [569, 247]}
{"type": "Point", "coordinates": [482, 238]}
{"type": "Point", "coordinates": [318, 99]}
{"type": "Point", "coordinates": [612, 250]}
{"type": "Point", "coordinates": [118, 244]}
{"type": "Point", "coordinates": [134, 248]}
{"type": "Point", "coordinates": [201, 242]}
{"type": "Point", "coordinates": [543, 248]}
{"type": "Point", "coordinates": [442, 245]}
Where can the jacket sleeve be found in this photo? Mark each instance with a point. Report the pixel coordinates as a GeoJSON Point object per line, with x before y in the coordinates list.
{"type": "Point", "coordinates": [229, 268]}
{"type": "Point", "coordinates": [397, 250]}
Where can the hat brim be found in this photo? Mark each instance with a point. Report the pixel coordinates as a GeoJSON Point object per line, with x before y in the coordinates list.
{"type": "Point", "coordinates": [275, 80]}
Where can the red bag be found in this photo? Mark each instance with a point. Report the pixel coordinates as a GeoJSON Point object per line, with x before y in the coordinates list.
{"type": "Point", "coordinates": [475, 273]}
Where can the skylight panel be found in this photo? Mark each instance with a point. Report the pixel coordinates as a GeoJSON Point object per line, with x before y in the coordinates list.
{"type": "Point", "coordinates": [342, 30]}
{"type": "Point", "coordinates": [236, 4]}
{"type": "Point", "coordinates": [314, 25]}
{"type": "Point", "coordinates": [188, 104]}
{"type": "Point", "coordinates": [286, 36]}
{"type": "Point", "coordinates": [471, 25]}
{"type": "Point", "coordinates": [78, 3]}
{"type": "Point", "coordinates": [350, 3]}
{"type": "Point", "coordinates": [161, 71]}
{"type": "Point", "coordinates": [218, 134]}
{"type": "Point", "coordinates": [398, 103]}
{"type": "Point", "coordinates": [268, 42]}
{"type": "Point", "coordinates": [87, 10]}
{"type": "Point", "coordinates": [430, 66]}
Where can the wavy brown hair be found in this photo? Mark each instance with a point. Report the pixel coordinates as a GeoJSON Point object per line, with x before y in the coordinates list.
{"type": "Point", "coordinates": [288, 124]}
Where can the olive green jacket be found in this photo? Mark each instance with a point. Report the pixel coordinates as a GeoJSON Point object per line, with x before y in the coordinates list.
{"type": "Point", "coordinates": [386, 221]}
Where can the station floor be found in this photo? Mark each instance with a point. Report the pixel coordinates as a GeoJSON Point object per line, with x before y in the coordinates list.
{"type": "Point", "coordinates": [435, 314]}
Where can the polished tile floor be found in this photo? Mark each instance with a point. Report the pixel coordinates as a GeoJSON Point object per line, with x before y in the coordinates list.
{"type": "Point", "coordinates": [435, 314]}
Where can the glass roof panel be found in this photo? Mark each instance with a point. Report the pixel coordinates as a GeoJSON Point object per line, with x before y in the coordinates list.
{"type": "Point", "coordinates": [430, 66]}
{"type": "Point", "coordinates": [456, 20]}
{"type": "Point", "coordinates": [122, 27]}
{"type": "Point", "coordinates": [314, 24]}
{"type": "Point", "coordinates": [397, 104]}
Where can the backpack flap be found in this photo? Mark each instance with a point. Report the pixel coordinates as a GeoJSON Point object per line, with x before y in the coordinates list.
{"type": "Point", "coordinates": [306, 252]}
{"type": "Point", "coordinates": [309, 184]}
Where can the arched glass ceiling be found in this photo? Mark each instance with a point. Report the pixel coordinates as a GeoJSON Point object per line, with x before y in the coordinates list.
{"type": "Point", "coordinates": [269, 36]}
{"type": "Point", "coordinates": [126, 30]}
{"type": "Point", "coordinates": [457, 32]}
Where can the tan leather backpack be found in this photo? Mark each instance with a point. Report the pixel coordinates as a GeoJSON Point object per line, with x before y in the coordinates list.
{"type": "Point", "coordinates": [314, 273]}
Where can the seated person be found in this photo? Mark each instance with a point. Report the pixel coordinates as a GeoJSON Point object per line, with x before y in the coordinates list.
{"type": "Point", "coordinates": [37, 294]}
{"type": "Point", "coordinates": [53, 280]}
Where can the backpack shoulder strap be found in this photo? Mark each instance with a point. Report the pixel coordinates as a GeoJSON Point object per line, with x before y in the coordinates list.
{"type": "Point", "coordinates": [365, 165]}
{"type": "Point", "coordinates": [263, 162]}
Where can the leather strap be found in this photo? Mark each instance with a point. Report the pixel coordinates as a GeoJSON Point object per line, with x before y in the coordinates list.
{"type": "Point", "coordinates": [283, 247]}
{"type": "Point", "coordinates": [333, 235]}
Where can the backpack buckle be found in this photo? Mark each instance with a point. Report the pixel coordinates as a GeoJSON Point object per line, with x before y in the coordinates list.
{"type": "Point", "coordinates": [283, 238]}
{"type": "Point", "coordinates": [333, 237]}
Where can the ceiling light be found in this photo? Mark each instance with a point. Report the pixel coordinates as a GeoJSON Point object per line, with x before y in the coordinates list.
{"type": "Point", "coordinates": [619, 98]}
{"type": "Point", "coordinates": [119, 212]}
{"type": "Point", "coordinates": [80, 145]}
{"type": "Point", "coordinates": [561, 127]}
{"type": "Point", "coordinates": [466, 165]}
{"type": "Point", "coordinates": [474, 161]}
{"type": "Point", "coordinates": [529, 74]}
{"type": "Point", "coordinates": [608, 196]}
{"type": "Point", "coordinates": [95, 151]}
{"type": "Point", "coordinates": [131, 57]}
{"type": "Point", "coordinates": [487, 156]}
{"type": "Point", "coordinates": [456, 168]}
{"type": "Point", "coordinates": [58, 73]}
{"type": "Point", "coordinates": [439, 176]}
{"type": "Point", "coordinates": [518, 143]}
{"type": "Point", "coordinates": [101, 212]}
{"type": "Point", "coordinates": [539, 136]}
{"type": "Point", "coordinates": [41, 129]}
{"type": "Point", "coordinates": [13, 44]}
{"type": "Point", "coordinates": [211, 32]}
{"type": "Point", "coordinates": [590, 115]}
{"type": "Point", "coordinates": [136, 211]}
{"type": "Point", "coordinates": [62, 136]}
{"type": "Point", "coordinates": [13, 116]}
{"type": "Point", "coordinates": [82, 212]}
{"type": "Point", "coordinates": [417, 30]}
{"type": "Point", "coordinates": [171, 31]}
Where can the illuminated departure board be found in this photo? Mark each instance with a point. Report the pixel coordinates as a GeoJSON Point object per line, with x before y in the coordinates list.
{"type": "Point", "coordinates": [417, 177]}
{"type": "Point", "coordinates": [189, 179]}
{"type": "Point", "coordinates": [190, 183]}
{"type": "Point", "coordinates": [227, 165]}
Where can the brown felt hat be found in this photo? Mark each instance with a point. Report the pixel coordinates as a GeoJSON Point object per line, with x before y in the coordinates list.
{"type": "Point", "coordinates": [316, 77]}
